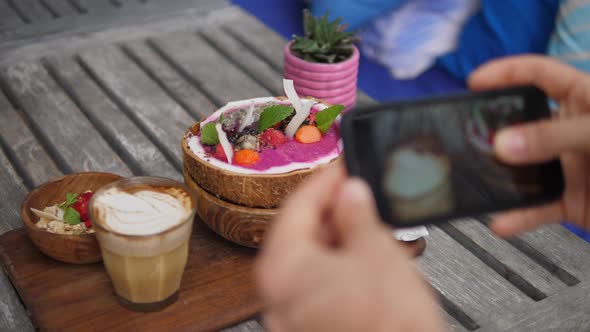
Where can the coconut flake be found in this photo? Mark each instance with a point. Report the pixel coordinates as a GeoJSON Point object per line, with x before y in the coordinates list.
{"type": "Point", "coordinates": [299, 118]}
{"type": "Point", "coordinates": [289, 88]}
{"type": "Point", "coordinates": [225, 144]}
{"type": "Point", "coordinates": [45, 215]}
{"type": "Point", "coordinates": [248, 118]}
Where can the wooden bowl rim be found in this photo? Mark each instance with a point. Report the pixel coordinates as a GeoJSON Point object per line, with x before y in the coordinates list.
{"type": "Point", "coordinates": [221, 202]}
{"type": "Point", "coordinates": [24, 207]}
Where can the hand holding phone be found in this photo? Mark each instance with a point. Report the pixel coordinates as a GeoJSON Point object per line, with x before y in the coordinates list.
{"type": "Point", "coordinates": [432, 160]}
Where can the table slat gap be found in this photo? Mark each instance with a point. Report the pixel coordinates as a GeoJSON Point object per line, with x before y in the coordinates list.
{"type": "Point", "coordinates": [237, 33]}
{"type": "Point", "coordinates": [504, 271]}
{"type": "Point", "coordinates": [69, 136]}
{"type": "Point", "coordinates": [198, 103]}
{"type": "Point", "coordinates": [212, 73]}
{"type": "Point", "coordinates": [453, 311]}
{"type": "Point", "coordinates": [77, 6]}
{"type": "Point", "coordinates": [170, 157]}
{"type": "Point", "coordinates": [50, 8]}
{"type": "Point", "coordinates": [150, 73]}
{"type": "Point", "coordinates": [539, 258]}
{"type": "Point", "coordinates": [245, 61]}
{"type": "Point", "coordinates": [135, 148]}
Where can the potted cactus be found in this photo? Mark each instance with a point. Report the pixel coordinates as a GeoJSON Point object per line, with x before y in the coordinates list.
{"type": "Point", "coordinates": [323, 63]}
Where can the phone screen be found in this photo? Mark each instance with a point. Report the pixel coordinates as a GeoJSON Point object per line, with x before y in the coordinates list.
{"type": "Point", "coordinates": [434, 159]}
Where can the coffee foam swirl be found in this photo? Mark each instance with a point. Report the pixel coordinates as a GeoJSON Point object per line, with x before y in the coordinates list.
{"type": "Point", "coordinates": [142, 212]}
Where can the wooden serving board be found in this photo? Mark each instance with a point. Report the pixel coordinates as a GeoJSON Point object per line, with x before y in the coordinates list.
{"type": "Point", "coordinates": [217, 289]}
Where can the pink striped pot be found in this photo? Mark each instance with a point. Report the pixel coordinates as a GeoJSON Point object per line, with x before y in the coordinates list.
{"type": "Point", "coordinates": [334, 83]}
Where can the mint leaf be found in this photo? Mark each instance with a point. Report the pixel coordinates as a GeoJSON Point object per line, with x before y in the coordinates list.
{"type": "Point", "coordinates": [70, 199]}
{"type": "Point", "coordinates": [324, 119]}
{"type": "Point", "coordinates": [209, 134]}
{"type": "Point", "coordinates": [71, 216]}
{"type": "Point", "coordinates": [273, 115]}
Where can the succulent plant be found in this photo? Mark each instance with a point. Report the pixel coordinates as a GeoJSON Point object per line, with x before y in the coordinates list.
{"type": "Point", "coordinates": [323, 41]}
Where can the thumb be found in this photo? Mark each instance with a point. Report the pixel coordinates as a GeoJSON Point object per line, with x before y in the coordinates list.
{"type": "Point", "coordinates": [355, 216]}
{"type": "Point", "coordinates": [543, 141]}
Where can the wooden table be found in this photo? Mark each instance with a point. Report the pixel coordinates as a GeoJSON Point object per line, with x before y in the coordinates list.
{"type": "Point", "coordinates": [115, 93]}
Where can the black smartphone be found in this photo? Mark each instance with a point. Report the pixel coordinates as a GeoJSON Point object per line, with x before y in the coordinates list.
{"type": "Point", "coordinates": [432, 160]}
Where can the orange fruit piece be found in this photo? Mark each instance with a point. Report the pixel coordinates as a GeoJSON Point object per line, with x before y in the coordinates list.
{"type": "Point", "coordinates": [308, 134]}
{"type": "Point", "coordinates": [247, 157]}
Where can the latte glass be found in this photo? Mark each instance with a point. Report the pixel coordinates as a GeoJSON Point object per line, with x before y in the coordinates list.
{"type": "Point", "coordinates": [143, 226]}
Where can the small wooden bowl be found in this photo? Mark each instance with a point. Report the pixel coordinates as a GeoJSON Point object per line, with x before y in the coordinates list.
{"type": "Point", "coordinates": [77, 249]}
{"type": "Point", "coordinates": [238, 224]}
{"type": "Point", "coordinates": [246, 226]}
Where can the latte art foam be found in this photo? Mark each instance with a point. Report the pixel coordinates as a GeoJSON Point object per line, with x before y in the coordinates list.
{"type": "Point", "coordinates": [143, 212]}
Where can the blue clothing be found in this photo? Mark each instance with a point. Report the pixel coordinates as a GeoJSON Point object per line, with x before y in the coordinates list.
{"type": "Point", "coordinates": [502, 28]}
{"type": "Point", "coordinates": [356, 13]}
{"type": "Point", "coordinates": [571, 40]}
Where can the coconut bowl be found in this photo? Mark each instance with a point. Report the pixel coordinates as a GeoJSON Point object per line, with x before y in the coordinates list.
{"type": "Point", "coordinates": [265, 191]}
{"type": "Point", "coordinates": [76, 249]}
{"type": "Point", "coordinates": [238, 224]}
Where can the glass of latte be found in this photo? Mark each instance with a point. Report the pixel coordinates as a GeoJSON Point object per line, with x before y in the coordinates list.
{"type": "Point", "coordinates": [143, 226]}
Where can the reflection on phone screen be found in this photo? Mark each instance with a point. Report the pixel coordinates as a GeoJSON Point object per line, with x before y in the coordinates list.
{"type": "Point", "coordinates": [440, 158]}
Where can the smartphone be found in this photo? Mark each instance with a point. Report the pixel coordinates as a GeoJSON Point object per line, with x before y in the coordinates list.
{"type": "Point", "coordinates": [432, 160]}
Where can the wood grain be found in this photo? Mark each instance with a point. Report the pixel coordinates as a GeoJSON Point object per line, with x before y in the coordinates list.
{"type": "Point", "coordinates": [77, 249]}
{"type": "Point", "coordinates": [466, 281]}
{"type": "Point", "coordinates": [162, 119]}
{"type": "Point", "coordinates": [217, 289]}
{"type": "Point", "coordinates": [255, 67]}
{"type": "Point", "coordinates": [33, 10]}
{"type": "Point", "coordinates": [185, 93]}
{"type": "Point", "coordinates": [208, 69]}
{"type": "Point", "coordinates": [19, 140]}
{"type": "Point", "coordinates": [75, 143]}
{"type": "Point", "coordinates": [567, 311]}
{"type": "Point", "coordinates": [510, 256]}
{"type": "Point", "coordinates": [238, 224]}
{"type": "Point", "coordinates": [130, 142]}
{"type": "Point", "coordinates": [13, 317]}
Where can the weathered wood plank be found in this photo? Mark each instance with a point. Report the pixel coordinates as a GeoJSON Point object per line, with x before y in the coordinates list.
{"type": "Point", "coordinates": [185, 93]}
{"type": "Point", "coordinates": [25, 149]}
{"type": "Point", "coordinates": [247, 326]}
{"type": "Point", "coordinates": [8, 17]}
{"type": "Point", "coordinates": [255, 67]}
{"type": "Point", "coordinates": [566, 311]}
{"type": "Point", "coordinates": [137, 150]}
{"type": "Point", "coordinates": [96, 6]}
{"type": "Point", "coordinates": [471, 285]}
{"type": "Point", "coordinates": [70, 138]}
{"type": "Point", "coordinates": [563, 248]}
{"type": "Point", "coordinates": [510, 256]}
{"type": "Point", "coordinates": [254, 35]}
{"type": "Point", "coordinates": [32, 10]}
{"type": "Point", "coordinates": [12, 192]}
{"type": "Point", "coordinates": [159, 116]}
{"type": "Point", "coordinates": [220, 80]}
{"type": "Point", "coordinates": [61, 7]}
{"type": "Point", "coordinates": [452, 323]}
{"type": "Point", "coordinates": [13, 316]}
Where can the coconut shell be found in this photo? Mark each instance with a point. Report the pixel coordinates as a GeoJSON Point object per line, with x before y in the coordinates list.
{"type": "Point", "coordinates": [241, 225]}
{"type": "Point", "coordinates": [249, 190]}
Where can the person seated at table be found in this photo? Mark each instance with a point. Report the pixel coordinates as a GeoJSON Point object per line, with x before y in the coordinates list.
{"type": "Point", "coordinates": [410, 36]}
{"type": "Point", "coordinates": [329, 264]}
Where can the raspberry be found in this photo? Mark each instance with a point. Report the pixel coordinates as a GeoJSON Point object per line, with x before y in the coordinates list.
{"type": "Point", "coordinates": [272, 138]}
{"type": "Point", "coordinates": [88, 223]}
{"type": "Point", "coordinates": [219, 153]}
{"type": "Point", "coordinates": [81, 205]}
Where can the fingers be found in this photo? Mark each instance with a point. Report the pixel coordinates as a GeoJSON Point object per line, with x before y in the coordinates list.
{"type": "Point", "coordinates": [544, 140]}
{"type": "Point", "coordinates": [550, 75]}
{"type": "Point", "coordinates": [355, 216]}
{"type": "Point", "coordinates": [519, 221]}
{"type": "Point", "coordinates": [301, 216]}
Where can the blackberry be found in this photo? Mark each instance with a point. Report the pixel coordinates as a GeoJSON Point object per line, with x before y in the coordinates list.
{"type": "Point", "coordinates": [251, 130]}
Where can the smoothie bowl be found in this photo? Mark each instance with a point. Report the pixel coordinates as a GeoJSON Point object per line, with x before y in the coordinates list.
{"type": "Point", "coordinates": [250, 154]}
{"type": "Point", "coordinates": [255, 152]}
